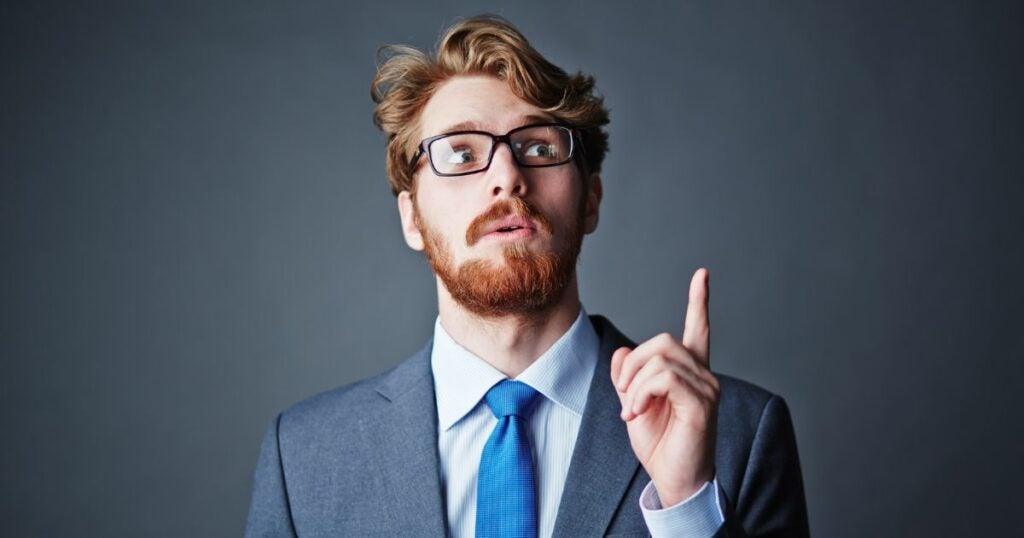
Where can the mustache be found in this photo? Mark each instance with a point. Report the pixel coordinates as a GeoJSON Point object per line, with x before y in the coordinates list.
{"type": "Point", "coordinates": [504, 208]}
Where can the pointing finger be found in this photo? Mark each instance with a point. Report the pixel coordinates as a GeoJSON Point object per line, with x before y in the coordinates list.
{"type": "Point", "coordinates": [697, 330]}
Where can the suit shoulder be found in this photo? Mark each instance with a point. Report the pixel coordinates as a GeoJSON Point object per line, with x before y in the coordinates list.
{"type": "Point", "coordinates": [344, 405]}
{"type": "Point", "coordinates": [370, 391]}
{"type": "Point", "coordinates": [744, 406]}
{"type": "Point", "coordinates": [335, 402]}
{"type": "Point", "coordinates": [744, 392]}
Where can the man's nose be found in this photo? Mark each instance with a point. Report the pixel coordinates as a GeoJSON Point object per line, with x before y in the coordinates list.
{"type": "Point", "coordinates": [504, 175]}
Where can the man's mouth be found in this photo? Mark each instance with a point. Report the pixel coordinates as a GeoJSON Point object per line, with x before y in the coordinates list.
{"type": "Point", "coordinates": [508, 220]}
{"type": "Point", "coordinates": [510, 227]}
{"type": "Point", "coordinates": [510, 224]}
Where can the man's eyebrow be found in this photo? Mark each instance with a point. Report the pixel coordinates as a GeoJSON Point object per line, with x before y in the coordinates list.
{"type": "Point", "coordinates": [462, 126]}
{"type": "Point", "coordinates": [535, 118]}
{"type": "Point", "coordinates": [471, 125]}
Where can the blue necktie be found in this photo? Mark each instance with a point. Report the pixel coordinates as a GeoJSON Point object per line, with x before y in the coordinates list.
{"type": "Point", "coordinates": [506, 498]}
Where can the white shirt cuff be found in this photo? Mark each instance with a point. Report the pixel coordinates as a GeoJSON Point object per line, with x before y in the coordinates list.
{"type": "Point", "coordinates": [699, 515]}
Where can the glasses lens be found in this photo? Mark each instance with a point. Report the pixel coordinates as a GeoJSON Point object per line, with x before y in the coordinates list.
{"type": "Point", "coordinates": [542, 146]}
{"type": "Point", "coordinates": [460, 153]}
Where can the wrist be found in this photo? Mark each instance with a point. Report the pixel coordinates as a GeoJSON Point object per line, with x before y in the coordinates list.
{"type": "Point", "coordinates": [672, 494]}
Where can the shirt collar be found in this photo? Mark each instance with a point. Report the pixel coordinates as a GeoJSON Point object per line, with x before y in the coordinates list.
{"type": "Point", "coordinates": [562, 373]}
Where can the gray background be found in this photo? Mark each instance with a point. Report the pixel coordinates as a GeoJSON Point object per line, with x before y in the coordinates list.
{"type": "Point", "coordinates": [196, 232]}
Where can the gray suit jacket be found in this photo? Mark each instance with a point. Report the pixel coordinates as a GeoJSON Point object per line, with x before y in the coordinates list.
{"type": "Point", "coordinates": [362, 460]}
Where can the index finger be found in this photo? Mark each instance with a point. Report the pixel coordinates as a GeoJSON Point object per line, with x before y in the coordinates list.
{"type": "Point", "coordinates": [697, 330]}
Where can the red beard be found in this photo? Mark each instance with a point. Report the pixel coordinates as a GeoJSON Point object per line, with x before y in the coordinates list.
{"type": "Point", "coordinates": [527, 282]}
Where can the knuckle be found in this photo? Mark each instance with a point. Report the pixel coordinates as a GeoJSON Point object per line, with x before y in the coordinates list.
{"type": "Point", "coordinates": [716, 386]}
{"type": "Point", "coordinates": [688, 393]}
{"type": "Point", "coordinates": [670, 378]}
{"type": "Point", "coordinates": [664, 339]}
{"type": "Point", "coordinates": [629, 361]}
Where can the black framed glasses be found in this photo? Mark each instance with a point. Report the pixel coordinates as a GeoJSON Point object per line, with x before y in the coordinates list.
{"type": "Point", "coordinates": [461, 153]}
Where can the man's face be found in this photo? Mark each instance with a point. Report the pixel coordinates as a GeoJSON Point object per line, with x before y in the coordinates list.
{"type": "Point", "coordinates": [461, 222]}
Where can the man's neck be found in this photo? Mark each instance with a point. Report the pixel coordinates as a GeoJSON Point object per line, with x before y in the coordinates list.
{"type": "Point", "coordinates": [508, 343]}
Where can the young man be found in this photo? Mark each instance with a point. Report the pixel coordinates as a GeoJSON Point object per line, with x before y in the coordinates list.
{"type": "Point", "coordinates": [522, 416]}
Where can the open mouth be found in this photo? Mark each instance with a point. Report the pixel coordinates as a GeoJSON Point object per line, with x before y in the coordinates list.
{"type": "Point", "coordinates": [511, 232]}
{"type": "Point", "coordinates": [505, 228]}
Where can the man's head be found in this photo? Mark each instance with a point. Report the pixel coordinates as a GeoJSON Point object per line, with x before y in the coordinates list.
{"type": "Point", "coordinates": [503, 240]}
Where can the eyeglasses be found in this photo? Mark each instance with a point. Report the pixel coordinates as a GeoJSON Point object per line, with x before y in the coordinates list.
{"type": "Point", "coordinates": [467, 152]}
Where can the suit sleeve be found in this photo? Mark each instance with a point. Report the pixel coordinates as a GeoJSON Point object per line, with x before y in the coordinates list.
{"type": "Point", "coordinates": [771, 498]}
{"type": "Point", "coordinates": [269, 511]}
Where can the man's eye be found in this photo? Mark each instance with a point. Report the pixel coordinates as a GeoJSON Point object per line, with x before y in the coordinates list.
{"type": "Point", "coordinates": [541, 150]}
{"type": "Point", "coordinates": [460, 156]}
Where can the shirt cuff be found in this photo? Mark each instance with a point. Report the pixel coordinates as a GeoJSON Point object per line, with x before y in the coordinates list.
{"type": "Point", "coordinates": [699, 515]}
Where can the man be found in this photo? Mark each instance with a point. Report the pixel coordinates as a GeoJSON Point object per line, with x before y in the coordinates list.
{"type": "Point", "coordinates": [522, 416]}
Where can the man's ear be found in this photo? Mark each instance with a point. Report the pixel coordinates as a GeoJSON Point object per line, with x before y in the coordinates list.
{"type": "Point", "coordinates": [407, 211]}
{"type": "Point", "coordinates": [592, 207]}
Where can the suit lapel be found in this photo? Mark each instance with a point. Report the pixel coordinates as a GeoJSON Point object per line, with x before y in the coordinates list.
{"type": "Point", "coordinates": [603, 463]}
{"type": "Point", "coordinates": [403, 437]}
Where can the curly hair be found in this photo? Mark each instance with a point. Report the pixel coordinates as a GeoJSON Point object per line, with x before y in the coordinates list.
{"type": "Point", "coordinates": [407, 78]}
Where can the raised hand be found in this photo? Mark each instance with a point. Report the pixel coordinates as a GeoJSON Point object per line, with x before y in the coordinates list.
{"type": "Point", "coordinates": [670, 401]}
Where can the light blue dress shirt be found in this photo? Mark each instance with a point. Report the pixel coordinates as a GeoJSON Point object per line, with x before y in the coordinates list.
{"type": "Point", "coordinates": [562, 375]}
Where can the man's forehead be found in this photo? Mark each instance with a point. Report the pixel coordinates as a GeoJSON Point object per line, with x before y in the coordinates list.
{"type": "Point", "coordinates": [473, 125]}
{"type": "Point", "coordinates": [477, 104]}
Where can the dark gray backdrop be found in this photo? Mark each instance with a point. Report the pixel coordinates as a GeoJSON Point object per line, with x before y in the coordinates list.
{"type": "Point", "coordinates": [196, 232]}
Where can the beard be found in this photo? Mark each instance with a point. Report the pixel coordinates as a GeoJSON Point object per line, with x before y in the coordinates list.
{"type": "Point", "coordinates": [526, 283]}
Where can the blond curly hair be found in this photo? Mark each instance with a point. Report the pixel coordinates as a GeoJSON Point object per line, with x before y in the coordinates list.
{"type": "Point", "coordinates": [407, 78]}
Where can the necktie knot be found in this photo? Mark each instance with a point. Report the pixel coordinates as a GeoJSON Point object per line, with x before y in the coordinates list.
{"type": "Point", "coordinates": [512, 398]}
